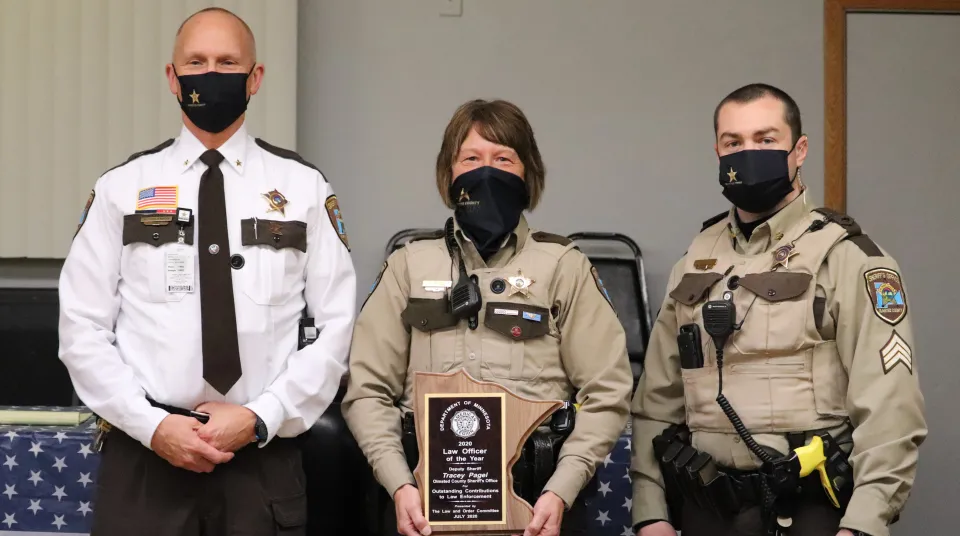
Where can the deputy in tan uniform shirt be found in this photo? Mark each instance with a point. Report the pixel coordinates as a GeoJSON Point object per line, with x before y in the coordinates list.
{"type": "Point", "coordinates": [824, 341]}
{"type": "Point", "coordinates": [546, 329]}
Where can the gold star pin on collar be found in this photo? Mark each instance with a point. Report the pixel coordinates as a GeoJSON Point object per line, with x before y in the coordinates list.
{"type": "Point", "coordinates": [733, 175]}
{"type": "Point", "coordinates": [520, 284]}
{"type": "Point", "coordinates": [239, 163]}
{"type": "Point", "coordinates": [195, 97]}
{"type": "Point", "coordinates": [186, 162]}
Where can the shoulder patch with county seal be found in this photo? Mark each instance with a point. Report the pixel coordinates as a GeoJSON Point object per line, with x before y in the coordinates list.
{"type": "Point", "coordinates": [376, 283]}
{"type": "Point", "coordinates": [336, 219]}
{"type": "Point", "coordinates": [885, 290]}
{"type": "Point", "coordinates": [86, 211]}
{"type": "Point", "coordinates": [895, 352]}
{"type": "Point", "coordinates": [601, 288]}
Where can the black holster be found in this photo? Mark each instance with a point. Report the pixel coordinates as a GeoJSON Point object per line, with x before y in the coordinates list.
{"type": "Point", "coordinates": [538, 458]}
{"type": "Point", "coordinates": [689, 474]}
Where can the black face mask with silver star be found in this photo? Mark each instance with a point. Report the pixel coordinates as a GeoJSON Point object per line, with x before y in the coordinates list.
{"type": "Point", "coordinates": [212, 100]}
{"type": "Point", "coordinates": [755, 180]}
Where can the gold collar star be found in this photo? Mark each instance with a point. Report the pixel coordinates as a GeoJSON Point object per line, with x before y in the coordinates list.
{"type": "Point", "coordinates": [520, 284]}
{"type": "Point", "coordinates": [195, 97]}
{"type": "Point", "coordinates": [239, 163]}
{"type": "Point", "coordinates": [732, 175]}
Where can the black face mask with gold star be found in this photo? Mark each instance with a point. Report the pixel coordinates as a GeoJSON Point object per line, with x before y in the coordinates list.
{"type": "Point", "coordinates": [755, 180]}
{"type": "Point", "coordinates": [212, 100]}
{"type": "Point", "coordinates": [489, 203]}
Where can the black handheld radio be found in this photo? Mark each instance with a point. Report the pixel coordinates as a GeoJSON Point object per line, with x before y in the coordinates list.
{"type": "Point", "coordinates": [465, 301]}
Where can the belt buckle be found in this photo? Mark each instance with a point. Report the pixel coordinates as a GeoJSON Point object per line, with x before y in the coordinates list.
{"type": "Point", "coordinates": [103, 428]}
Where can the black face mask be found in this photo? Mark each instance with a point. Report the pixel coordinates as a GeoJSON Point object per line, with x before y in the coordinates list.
{"type": "Point", "coordinates": [489, 202]}
{"type": "Point", "coordinates": [755, 180]}
{"type": "Point", "coordinates": [212, 100]}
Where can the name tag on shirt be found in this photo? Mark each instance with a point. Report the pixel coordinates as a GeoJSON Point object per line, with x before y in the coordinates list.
{"type": "Point", "coordinates": [436, 286]}
{"type": "Point", "coordinates": [180, 271]}
{"type": "Point", "coordinates": [506, 312]}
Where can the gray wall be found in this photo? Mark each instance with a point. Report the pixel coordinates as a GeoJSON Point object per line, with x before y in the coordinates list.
{"type": "Point", "coordinates": [903, 113]}
{"type": "Point", "coordinates": [620, 92]}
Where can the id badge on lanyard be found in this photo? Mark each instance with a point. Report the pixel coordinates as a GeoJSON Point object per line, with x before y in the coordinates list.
{"type": "Point", "coordinates": [180, 270]}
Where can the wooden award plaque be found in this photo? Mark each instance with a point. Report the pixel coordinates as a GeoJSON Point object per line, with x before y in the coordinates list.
{"type": "Point", "coordinates": [469, 434]}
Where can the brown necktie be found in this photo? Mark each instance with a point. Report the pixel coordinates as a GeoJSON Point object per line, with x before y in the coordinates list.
{"type": "Point", "coordinates": [218, 314]}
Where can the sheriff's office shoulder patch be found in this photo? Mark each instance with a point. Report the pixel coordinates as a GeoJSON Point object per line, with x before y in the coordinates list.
{"type": "Point", "coordinates": [896, 352]}
{"type": "Point", "coordinates": [336, 219]}
{"type": "Point", "coordinates": [376, 283]}
{"type": "Point", "coordinates": [86, 211]}
{"type": "Point", "coordinates": [603, 289]}
{"type": "Point", "coordinates": [886, 292]}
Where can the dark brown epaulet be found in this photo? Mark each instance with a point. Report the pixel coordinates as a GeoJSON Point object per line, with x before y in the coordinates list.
{"type": "Point", "coordinates": [288, 154]}
{"type": "Point", "coordinates": [714, 220]}
{"type": "Point", "coordinates": [138, 154]}
{"type": "Point", "coordinates": [551, 238]}
{"type": "Point", "coordinates": [854, 232]}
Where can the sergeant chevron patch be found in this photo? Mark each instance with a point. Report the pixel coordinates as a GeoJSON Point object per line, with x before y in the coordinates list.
{"type": "Point", "coordinates": [896, 351]}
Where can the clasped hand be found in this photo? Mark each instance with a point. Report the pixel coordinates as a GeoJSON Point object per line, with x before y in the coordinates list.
{"type": "Point", "coordinates": [189, 444]}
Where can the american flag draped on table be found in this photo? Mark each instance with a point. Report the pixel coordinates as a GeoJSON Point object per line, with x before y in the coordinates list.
{"type": "Point", "coordinates": [609, 504]}
{"type": "Point", "coordinates": [47, 474]}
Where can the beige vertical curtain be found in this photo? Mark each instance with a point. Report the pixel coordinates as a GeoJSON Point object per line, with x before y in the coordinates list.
{"type": "Point", "coordinates": [83, 88]}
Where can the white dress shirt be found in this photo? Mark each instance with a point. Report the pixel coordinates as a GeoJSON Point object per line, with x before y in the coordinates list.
{"type": "Point", "coordinates": [124, 336]}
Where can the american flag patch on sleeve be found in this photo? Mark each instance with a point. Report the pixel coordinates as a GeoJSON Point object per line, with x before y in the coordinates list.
{"type": "Point", "coordinates": [160, 199]}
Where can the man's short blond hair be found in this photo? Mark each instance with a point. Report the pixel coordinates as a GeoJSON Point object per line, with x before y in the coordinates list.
{"type": "Point", "coordinates": [246, 27]}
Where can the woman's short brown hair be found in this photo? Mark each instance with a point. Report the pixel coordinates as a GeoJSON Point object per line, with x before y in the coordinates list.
{"type": "Point", "coordinates": [499, 122]}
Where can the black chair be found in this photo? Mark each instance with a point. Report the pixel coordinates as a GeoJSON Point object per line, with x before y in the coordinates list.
{"type": "Point", "coordinates": [31, 373]}
{"type": "Point", "coordinates": [339, 480]}
{"type": "Point", "coordinates": [400, 239]}
{"type": "Point", "coordinates": [625, 280]}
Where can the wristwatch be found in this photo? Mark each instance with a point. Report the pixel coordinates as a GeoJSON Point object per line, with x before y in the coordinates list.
{"type": "Point", "coordinates": [260, 429]}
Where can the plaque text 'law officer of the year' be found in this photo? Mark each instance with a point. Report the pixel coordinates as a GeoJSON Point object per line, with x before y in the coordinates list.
{"type": "Point", "coordinates": [466, 468]}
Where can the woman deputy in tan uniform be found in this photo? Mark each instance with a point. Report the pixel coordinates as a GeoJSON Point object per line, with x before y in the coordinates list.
{"type": "Point", "coordinates": [546, 328]}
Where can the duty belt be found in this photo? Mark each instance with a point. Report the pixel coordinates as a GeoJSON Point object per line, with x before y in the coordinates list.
{"type": "Point", "coordinates": [693, 476]}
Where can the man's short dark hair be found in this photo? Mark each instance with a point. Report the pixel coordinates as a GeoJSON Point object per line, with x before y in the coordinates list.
{"type": "Point", "coordinates": [752, 92]}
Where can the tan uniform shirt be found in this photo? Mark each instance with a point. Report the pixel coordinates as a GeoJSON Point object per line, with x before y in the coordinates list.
{"type": "Point", "coordinates": [561, 337]}
{"type": "Point", "coordinates": [834, 349]}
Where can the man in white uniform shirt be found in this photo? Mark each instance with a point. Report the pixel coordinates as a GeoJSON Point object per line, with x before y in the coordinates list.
{"type": "Point", "coordinates": [186, 296]}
